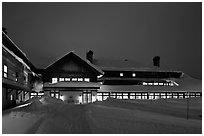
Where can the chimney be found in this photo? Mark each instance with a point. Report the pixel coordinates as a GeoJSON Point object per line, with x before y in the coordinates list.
{"type": "Point", "coordinates": [89, 56]}
{"type": "Point", "coordinates": [156, 61]}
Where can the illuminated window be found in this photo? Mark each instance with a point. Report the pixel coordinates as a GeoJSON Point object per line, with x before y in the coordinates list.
{"type": "Point", "coordinates": [67, 79]}
{"type": "Point", "coordinates": [57, 95]}
{"type": "Point", "coordinates": [74, 79]}
{"type": "Point", "coordinates": [87, 79]}
{"type": "Point", "coordinates": [133, 74]}
{"type": "Point", "coordinates": [11, 97]}
{"type": "Point", "coordinates": [40, 94]}
{"type": "Point", "coordinates": [156, 83]}
{"type": "Point", "coordinates": [121, 74]}
{"type": "Point", "coordinates": [151, 95]}
{"type": "Point", "coordinates": [61, 79]}
{"type": "Point", "coordinates": [16, 76]}
{"type": "Point", "coordinates": [80, 79]}
{"type": "Point", "coordinates": [125, 96]}
{"type": "Point", "coordinates": [150, 83]}
{"type": "Point", "coordinates": [105, 93]}
{"type": "Point", "coordinates": [160, 83]}
{"type": "Point", "coordinates": [54, 80]}
{"type": "Point", "coordinates": [144, 83]}
{"type": "Point", "coordinates": [132, 97]}
{"type": "Point", "coordinates": [5, 71]}
{"type": "Point", "coordinates": [119, 97]}
{"type": "Point", "coordinates": [99, 98]}
{"type": "Point", "coordinates": [171, 84]}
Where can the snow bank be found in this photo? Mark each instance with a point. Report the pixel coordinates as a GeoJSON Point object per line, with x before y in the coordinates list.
{"type": "Point", "coordinates": [50, 100]}
{"type": "Point", "coordinates": [115, 116]}
{"type": "Point", "coordinates": [172, 107]}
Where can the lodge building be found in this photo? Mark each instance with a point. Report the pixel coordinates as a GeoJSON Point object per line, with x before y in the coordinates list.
{"type": "Point", "coordinates": [79, 80]}
{"type": "Point", "coordinates": [18, 74]}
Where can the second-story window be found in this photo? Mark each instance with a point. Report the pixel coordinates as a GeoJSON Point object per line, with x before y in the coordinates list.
{"type": "Point", "coordinates": [54, 80]}
{"type": "Point", "coordinates": [5, 71]}
{"type": "Point", "coordinates": [67, 79]}
{"type": "Point", "coordinates": [86, 79]}
{"type": "Point", "coordinates": [80, 79]}
{"type": "Point", "coordinates": [61, 79]}
{"type": "Point", "coordinates": [74, 79]}
{"type": "Point", "coordinates": [121, 74]}
{"type": "Point", "coordinates": [16, 77]}
{"type": "Point", "coordinates": [133, 74]}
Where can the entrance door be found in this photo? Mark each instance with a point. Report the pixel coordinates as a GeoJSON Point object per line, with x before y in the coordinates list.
{"type": "Point", "coordinates": [87, 97]}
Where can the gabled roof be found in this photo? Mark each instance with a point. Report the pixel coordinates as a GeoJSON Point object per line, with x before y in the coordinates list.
{"type": "Point", "coordinates": [83, 59]}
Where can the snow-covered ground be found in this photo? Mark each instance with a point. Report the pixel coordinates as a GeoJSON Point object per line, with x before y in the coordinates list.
{"type": "Point", "coordinates": [51, 116]}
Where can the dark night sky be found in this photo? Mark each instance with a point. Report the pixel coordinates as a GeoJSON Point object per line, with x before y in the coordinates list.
{"type": "Point", "coordinates": [134, 31]}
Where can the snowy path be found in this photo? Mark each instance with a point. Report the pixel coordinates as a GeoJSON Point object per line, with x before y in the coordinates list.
{"type": "Point", "coordinates": [115, 120]}
{"type": "Point", "coordinates": [66, 119]}
{"type": "Point", "coordinates": [110, 117]}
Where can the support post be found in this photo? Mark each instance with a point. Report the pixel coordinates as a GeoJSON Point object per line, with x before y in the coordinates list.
{"type": "Point", "coordinates": [187, 107]}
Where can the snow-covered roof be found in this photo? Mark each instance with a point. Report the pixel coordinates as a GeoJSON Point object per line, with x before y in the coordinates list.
{"type": "Point", "coordinates": [132, 79]}
{"type": "Point", "coordinates": [16, 52]}
{"type": "Point", "coordinates": [85, 60]}
{"type": "Point", "coordinates": [186, 84]}
{"type": "Point", "coordinates": [71, 84]}
{"type": "Point", "coordinates": [126, 65]}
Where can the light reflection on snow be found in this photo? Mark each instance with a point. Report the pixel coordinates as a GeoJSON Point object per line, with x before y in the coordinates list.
{"type": "Point", "coordinates": [23, 105]}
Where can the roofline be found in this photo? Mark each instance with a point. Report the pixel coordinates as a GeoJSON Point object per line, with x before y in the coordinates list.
{"type": "Point", "coordinates": [15, 45]}
{"type": "Point", "coordinates": [57, 60]}
{"type": "Point", "coordinates": [134, 69]}
{"type": "Point", "coordinates": [24, 54]}
{"type": "Point", "coordinates": [89, 63]}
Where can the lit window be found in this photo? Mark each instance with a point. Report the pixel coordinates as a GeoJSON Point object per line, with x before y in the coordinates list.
{"type": "Point", "coordinates": [121, 74]}
{"type": "Point", "coordinates": [155, 83]}
{"type": "Point", "coordinates": [133, 74]}
{"type": "Point", "coordinates": [87, 79]}
{"type": "Point", "coordinates": [99, 98]}
{"type": "Point", "coordinates": [61, 79]}
{"type": "Point", "coordinates": [125, 96]}
{"type": "Point", "coordinates": [5, 71]}
{"type": "Point", "coordinates": [80, 79]}
{"type": "Point", "coordinates": [11, 97]}
{"type": "Point", "coordinates": [150, 83]}
{"type": "Point", "coordinates": [5, 68]}
{"type": "Point", "coordinates": [74, 79]}
{"type": "Point", "coordinates": [67, 79]}
{"type": "Point", "coordinates": [57, 95]}
{"type": "Point", "coordinates": [171, 84]}
{"type": "Point", "coordinates": [40, 93]}
{"type": "Point", "coordinates": [16, 76]}
{"type": "Point", "coordinates": [144, 83]}
{"type": "Point", "coordinates": [54, 80]}
{"type": "Point", "coordinates": [160, 83]}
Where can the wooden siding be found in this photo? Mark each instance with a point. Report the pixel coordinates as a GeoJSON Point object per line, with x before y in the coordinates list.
{"type": "Point", "coordinates": [69, 67]}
